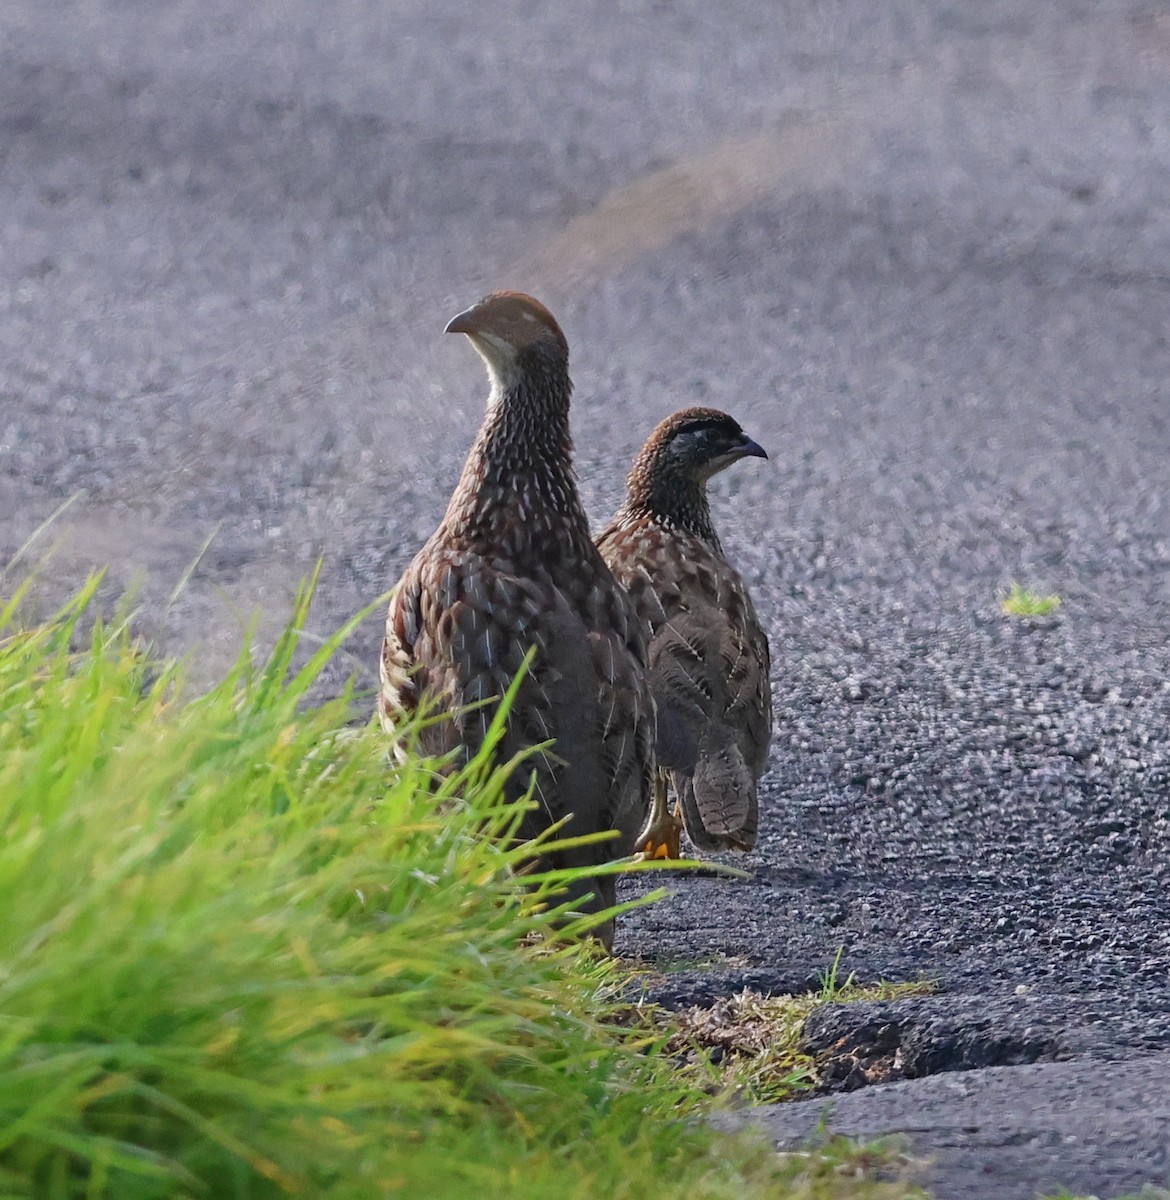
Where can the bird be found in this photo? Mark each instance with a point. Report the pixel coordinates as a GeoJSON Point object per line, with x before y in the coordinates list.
{"type": "Point", "coordinates": [709, 657]}
{"type": "Point", "coordinates": [512, 566]}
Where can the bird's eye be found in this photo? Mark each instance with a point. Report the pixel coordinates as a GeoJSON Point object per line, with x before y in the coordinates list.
{"type": "Point", "coordinates": [687, 441]}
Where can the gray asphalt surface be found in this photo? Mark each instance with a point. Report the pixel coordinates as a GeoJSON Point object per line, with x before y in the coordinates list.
{"type": "Point", "coordinates": [1009, 1132]}
{"type": "Point", "coordinates": [920, 250]}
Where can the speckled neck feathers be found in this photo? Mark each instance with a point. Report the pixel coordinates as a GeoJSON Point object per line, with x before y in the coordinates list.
{"type": "Point", "coordinates": [517, 497]}
{"type": "Point", "coordinates": [666, 492]}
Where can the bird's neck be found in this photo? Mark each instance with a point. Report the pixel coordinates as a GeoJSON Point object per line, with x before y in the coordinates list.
{"type": "Point", "coordinates": [674, 499]}
{"type": "Point", "coordinates": [518, 494]}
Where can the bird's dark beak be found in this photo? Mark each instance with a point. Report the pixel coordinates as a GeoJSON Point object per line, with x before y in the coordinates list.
{"type": "Point", "coordinates": [465, 322]}
{"type": "Point", "coordinates": [750, 449]}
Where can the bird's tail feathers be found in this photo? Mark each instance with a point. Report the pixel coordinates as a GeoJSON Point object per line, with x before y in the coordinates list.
{"type": "Point", "coordinates": [719, 801]}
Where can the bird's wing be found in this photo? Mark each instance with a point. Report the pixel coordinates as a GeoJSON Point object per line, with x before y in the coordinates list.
{"type": "Point", "coordinates": [709, 666]}
{"type": "Point", "coordinates": [629, 553]}
{"type": "Point", "coordinates": [401, 671]}
{"type": "Point", "coordinates": [626, 704]}
{"type": "Point", "coordinates": [458, 632]}
{"type": "Point", "coordinates": [703, 671]}
{"type": "Point", "coordinates": [443, 649]}
{"type": "Point", "coordinates": [709, 661]}
{"type": "Point", "coordinates": [749, 686]}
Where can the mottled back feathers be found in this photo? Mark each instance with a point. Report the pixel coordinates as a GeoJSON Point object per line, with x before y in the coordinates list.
{"type": "Point", "coordinates": [708, 654]}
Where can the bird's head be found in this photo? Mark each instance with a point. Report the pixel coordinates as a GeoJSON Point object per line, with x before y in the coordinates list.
{"type": "Point", "coordinates": [701, 442]}
{"type": "Point", "coordinates": [511, 330]}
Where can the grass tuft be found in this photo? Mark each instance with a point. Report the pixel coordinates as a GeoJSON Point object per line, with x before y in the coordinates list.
{"type": "Point", "coordinates": [242, 957]}
{"type": "Point", "coordinates": [1020, 602]}
{"type": "Point", "coordinates": [747, 1048]}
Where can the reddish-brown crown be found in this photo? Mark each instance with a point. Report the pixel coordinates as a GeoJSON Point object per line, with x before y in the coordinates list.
{"type": "Point", "coordinates": [518, 320]}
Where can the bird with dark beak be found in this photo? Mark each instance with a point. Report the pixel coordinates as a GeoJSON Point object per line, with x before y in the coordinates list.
{"type": "Point", "coordinates": [708, 653]}
{"type": "Point", "coordinates": [512, 568]}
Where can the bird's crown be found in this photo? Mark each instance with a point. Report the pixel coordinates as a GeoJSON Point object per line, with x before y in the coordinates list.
{"type": "Point", "coordinates": [517, 319]}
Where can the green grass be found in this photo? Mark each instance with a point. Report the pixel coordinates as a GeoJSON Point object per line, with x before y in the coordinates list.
{"type": "Point", "coordinates": [1020, 602]}
{"type": "Point", "coordinates": [243, 957]}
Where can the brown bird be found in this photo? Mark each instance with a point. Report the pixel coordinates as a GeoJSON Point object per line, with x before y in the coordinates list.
{"type": "Point", "coordinates": [709, 657]}
{"type": "Point", "coordinates": [512, 566]}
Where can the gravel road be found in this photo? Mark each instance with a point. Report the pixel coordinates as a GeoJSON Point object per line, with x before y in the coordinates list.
{"type": "Point", "coordinates": [920, 249]}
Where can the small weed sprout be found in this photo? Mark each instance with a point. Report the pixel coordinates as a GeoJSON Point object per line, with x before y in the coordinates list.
{"type": "Point", "coordinates": [1022, 602]}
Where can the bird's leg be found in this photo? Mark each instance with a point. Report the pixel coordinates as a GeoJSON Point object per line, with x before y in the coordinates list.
{"type": "Point", "coordinates": [660, 835]}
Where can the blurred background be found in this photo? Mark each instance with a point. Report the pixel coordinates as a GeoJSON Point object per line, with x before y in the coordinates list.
{"type": "Point", "coordinates": [920, 249]}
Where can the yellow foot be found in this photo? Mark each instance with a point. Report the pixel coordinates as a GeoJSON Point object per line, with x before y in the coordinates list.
{"type": "Point", "coordinates": [660, 834]}
{"type": "Point", "coordinates": [660, 839]}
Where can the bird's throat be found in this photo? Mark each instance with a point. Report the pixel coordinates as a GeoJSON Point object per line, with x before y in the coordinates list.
{"type": "Point", "coordinates": [674, 499]}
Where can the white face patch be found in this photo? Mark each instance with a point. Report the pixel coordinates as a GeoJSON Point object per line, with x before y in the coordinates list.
{"type": "Point", "coordinates": [530, 317]}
